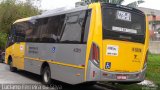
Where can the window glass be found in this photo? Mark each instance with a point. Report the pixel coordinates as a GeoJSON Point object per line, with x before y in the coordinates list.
{"type": "Point", "coordinates": [73, 28]}
{"type": "Point", "coordinates": [65, 28]}
{"type": "Point", "coordinates": [20, 31]}
{"type": "Point", "coordinates": [11, 36]}
{"type": "Point", "coordinates": [48, 29]}
{"type": "Point", "coordinates": [61, 25]}
{"type": "Point", "coordinates": [87, 25]}
{"type": "Point", "coordinates": [30, 31]}
{"type": "Point", "coordinates": [52, 29]}
{"type": "Point", "coordinates": [41, 31]}
{"type": "Point", "coordinates": [123, 24]}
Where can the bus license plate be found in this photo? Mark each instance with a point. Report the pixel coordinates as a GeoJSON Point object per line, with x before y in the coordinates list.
{"type": "Point", "coordinates": [123, 15]}
{"type": "Point", "coordinates": [121, 77]}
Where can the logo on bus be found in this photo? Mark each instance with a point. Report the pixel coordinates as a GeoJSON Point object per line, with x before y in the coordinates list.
{"type": "Point", "coordinates": [53, 49]}
{"type": "Point", "coordinates": [108, 65]}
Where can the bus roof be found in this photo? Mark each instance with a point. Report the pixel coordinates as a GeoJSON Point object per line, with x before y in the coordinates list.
{"type": "Point", "coordinates": [64, 11]}
{"type": "Point", "coordinates": [23, 19]}
{"type": "Point", "coordinates": [53, 13]}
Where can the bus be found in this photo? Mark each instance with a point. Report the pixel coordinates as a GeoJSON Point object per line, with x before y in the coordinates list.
{"type": "Point", "coordinates": [93, 43]}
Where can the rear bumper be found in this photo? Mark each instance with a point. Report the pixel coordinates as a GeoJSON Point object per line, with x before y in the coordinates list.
{"type": "Point", "coordinates": [101, 75]}
{"type": "Point", "coordinates": [131, 77]}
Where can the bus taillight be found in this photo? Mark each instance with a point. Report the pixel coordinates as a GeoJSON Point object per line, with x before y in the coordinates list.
{"type": "Point", "coordinates": [95, 54]}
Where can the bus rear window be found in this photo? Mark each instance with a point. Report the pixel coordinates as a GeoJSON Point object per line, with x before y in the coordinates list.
{"type": "Point", "coordinates": [124, 24]}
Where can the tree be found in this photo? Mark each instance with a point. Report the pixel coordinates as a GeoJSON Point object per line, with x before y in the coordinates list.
{"type": "Point", "coordinates": [135, 3]}
{"type": "Point", "coordinates": [3, 39]}
{"type": "Point", "coordinates": [11, 10]}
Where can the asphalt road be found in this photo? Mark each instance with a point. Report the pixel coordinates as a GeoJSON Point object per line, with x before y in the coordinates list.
{"type": "Point", "coordinates": [26, 78]}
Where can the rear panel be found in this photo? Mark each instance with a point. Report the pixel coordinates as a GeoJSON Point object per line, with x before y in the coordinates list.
{"type": "Point", "coordinates": [120, 56]}
{"type": "Point", "coordinates": [124, 34]}
{"type": "Point", "coordinates": [120, 35]}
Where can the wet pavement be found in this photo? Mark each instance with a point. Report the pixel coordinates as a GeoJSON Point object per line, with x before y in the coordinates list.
{"type": "Point", "coordinates": [26, 78]}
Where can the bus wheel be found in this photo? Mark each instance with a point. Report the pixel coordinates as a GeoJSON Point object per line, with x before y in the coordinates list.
{"type": "Point", "coordinates": [46, 76]}
{"type": "Point", "coordinates": [12, 69]}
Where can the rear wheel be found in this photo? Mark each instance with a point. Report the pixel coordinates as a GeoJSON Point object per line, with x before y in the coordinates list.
{"type": "Point", "coordinates": [46, 76]}
{"type": "Point", "coordinates": [12, 69]}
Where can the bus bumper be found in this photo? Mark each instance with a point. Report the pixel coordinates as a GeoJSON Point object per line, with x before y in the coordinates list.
{"type": "Point", "coordinates": [96, 74]}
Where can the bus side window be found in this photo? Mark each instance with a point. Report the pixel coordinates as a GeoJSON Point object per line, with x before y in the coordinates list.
{"type": "Point", "coordinates": [20, 31]}
{"type": "Point", "coordinates": [11, 40]}
{"type": "Point", "coordinates": [61, 26]}
{"type": "Point", "coordinates": [52, 28]}
{"type": "Point", "coordinates": [72, 28]}
{"type": "Point", "coordinates": [30, 31]}
{"type": "Point", "coordinates": [41, 31]}
{"type": "Point", "coordinates": [87, 25]}
{"type": "Point", "coordinates": [48, 29]}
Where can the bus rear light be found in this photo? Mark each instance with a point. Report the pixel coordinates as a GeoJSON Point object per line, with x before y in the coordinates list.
{"type": "Point", "coordinates": [94, 73]}
{"type": "Point", "coordinates": [95, 54]}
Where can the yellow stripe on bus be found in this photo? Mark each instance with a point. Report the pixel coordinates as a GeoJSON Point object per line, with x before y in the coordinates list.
{"type": "Point", "coordinates": [58, 63]}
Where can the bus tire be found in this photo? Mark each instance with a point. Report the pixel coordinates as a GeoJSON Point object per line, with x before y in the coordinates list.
{"type": "Point", "coordinates": [12, 69]}
{"type": "Point", "coordinates": [46, 76]}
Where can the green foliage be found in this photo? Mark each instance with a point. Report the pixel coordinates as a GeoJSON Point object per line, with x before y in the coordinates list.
{"type": "Point", "coordinates": [153, 69]}
{"type": "Point", "coordinates": [152, 74]}
{"type": "Point", "coordinates": [154, 22]}
{"type": "Point", "coordinates": [135, 3]}
{"type": "Point", "coordinates": [3, 39]}
{"type": "Point", "coordinates": [11, 10]}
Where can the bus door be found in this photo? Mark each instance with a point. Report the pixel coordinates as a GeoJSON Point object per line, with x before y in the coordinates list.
{"type": "Point", "coordinates": [18, 50]}
{"type": "Point", "coordinates": [19, 55]}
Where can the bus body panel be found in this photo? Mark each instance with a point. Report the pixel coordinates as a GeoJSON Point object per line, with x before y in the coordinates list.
{"type": "Point", "coordinates": [129, 56]}
{"type": "Point", "coordinates": [103, 75]}
{"type": "Point", "coordinates": [67, 74]}
{"type": "Point", "coordinates": [32, 65]}
{"type": "Point", "coordinates": [130, 60]}
{"type": "Point", "coordinates": [66, 61]}
{"type": "Point", "coordinates": [95, 34]}
{"type": "Point", "coordinates": [19, 54]}
{"type": "Point", "coordinates": [16, 51]}
{"type": "Point", "coordinates": [8, 52]}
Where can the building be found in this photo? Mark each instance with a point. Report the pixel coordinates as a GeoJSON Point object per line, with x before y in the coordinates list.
{"type": "Point", "coordinates": [154, 27]}
{"type": "Point", "coordinates": [154, 22]}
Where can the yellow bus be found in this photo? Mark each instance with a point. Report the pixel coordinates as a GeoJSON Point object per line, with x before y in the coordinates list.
{"type": "Point", "coordinates": [97, 42]}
